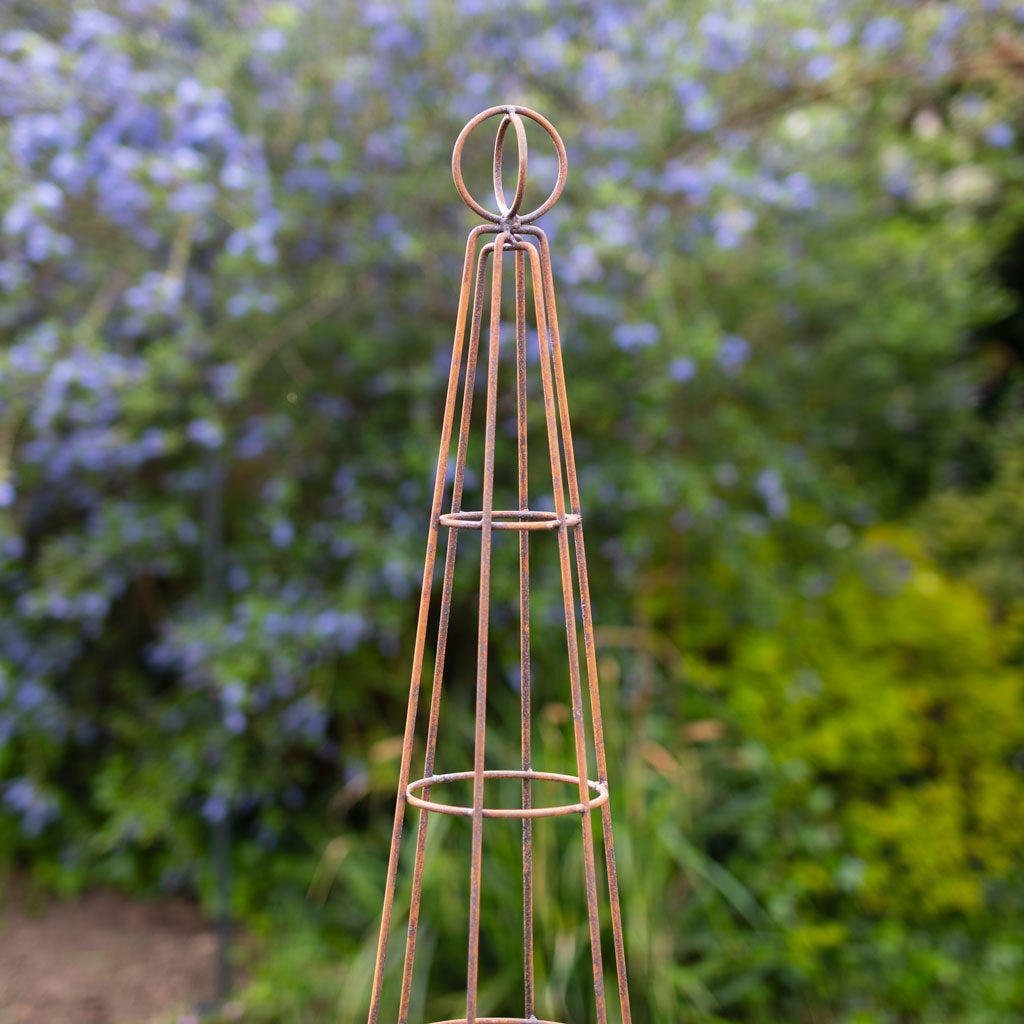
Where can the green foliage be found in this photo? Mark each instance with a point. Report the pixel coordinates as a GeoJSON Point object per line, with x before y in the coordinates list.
{"type": "Point", "coordinates": [978, 533]}
{"type": "Point", "coordinates": [888, 714]}
{"type": "Point", "coordinates": [832, 813]}
{"type": "Point", "coordinates": [230, 262]}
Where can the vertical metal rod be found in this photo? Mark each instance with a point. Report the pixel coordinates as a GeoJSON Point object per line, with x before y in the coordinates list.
{"type": "Point", "coordinates": [421, 629]}
{"type": "Point", "coordinates": [442, 632]}
{"type": "Point", "coordinates": [588, 626]}
{"type": "Point", "coordinates": [480, 732]}
{"type": "Point", "coordinates": [525, 681]}
{"type": "Point", "coordinates": [568, 600]}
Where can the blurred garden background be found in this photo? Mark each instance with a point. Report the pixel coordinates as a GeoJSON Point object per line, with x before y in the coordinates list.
{"type": "Point", "coordinates": [790, 270]}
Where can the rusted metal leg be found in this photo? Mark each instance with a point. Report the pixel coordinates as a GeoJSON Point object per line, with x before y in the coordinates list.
{"type": "Point", "coordinates": [480, 733]}
{"type": "Point", "coordinates": [579, 736]}
{"type": "Point", "coordinates": [588, 625]}
{"type": "Point", "coordinates": [442, 632]}
{"type": "Point", "coordinates": [525, 682]}
{"type": "Point", "coordinates": [421, 629]}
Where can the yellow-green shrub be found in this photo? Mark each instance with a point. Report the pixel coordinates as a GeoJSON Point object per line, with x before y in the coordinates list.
{"type": "Point", "coordinates": [890, 705]}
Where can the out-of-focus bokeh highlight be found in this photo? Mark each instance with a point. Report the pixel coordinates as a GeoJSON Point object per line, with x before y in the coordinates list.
{"type": "Point", "coordinates": [790, 271]}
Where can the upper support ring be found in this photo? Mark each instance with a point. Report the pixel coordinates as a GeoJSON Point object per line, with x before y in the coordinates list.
{"type": "Point", "coordinates": [509, 212]}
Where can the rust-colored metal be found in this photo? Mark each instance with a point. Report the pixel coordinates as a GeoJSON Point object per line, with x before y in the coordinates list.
{"type": "Point", "coordinates": [513, 232]}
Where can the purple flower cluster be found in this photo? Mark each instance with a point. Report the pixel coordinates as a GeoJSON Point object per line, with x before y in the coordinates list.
{"type": "Point", "coordinates": [257, 659]}
{"type": "Point", "coordinates": [35, 809]}
{"type": "Point", "coordinates": [152, 153]}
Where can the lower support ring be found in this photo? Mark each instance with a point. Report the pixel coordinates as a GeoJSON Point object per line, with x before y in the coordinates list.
{"type": "Point", "coordinates": [461, 811]}
{"type": "Point", "coordinates": [499, 1020]}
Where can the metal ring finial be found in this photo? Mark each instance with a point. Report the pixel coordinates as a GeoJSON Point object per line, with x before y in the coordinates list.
{"type": "Point", "coordinates": [499, 143]}
{"type": "Point", "coordinates": [510, 211]}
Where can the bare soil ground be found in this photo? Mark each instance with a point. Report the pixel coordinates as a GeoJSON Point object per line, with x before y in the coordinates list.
{"type": "Point", "coordinates": [101, 959]}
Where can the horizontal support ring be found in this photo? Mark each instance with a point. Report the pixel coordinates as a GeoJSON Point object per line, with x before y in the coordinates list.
{"type": "Point", "coordinates": [499, 1020]}
{"type": "Point", "coordinates": [509, 519]}
{"type": "Point", "coordinates": [461, 811]}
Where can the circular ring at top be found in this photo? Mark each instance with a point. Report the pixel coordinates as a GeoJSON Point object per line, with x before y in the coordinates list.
{"type": "Point", "coordinates": [499, 143]}
{"type": "Point", "coordinates": [509, 111]}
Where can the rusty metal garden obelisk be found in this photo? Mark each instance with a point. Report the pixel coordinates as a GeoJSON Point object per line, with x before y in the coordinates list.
{"type": "Point", "coordinates": [515, 233]}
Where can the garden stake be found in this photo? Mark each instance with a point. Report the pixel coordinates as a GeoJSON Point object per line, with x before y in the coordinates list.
{"type": "Point", "coordinates": [516, 234]}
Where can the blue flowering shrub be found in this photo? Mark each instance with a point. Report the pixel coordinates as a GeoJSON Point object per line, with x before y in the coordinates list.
{"type": "Point", "coordinates": [229, 258]}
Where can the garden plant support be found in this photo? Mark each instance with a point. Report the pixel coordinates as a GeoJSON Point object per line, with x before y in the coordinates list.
{"type": "Point", "coordinates": [515, 233]}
